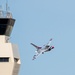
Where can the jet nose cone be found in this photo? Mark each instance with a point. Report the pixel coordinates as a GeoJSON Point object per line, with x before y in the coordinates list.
{"type": "Point", "coordinates": [52, 47]}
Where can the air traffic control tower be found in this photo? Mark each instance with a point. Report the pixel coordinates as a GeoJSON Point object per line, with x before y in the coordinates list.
{"type": "Point", "coordinates": [9, 55]}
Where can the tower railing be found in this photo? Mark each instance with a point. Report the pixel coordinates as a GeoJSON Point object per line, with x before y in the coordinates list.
{"type": "Point", "coordinates": [5, 14]}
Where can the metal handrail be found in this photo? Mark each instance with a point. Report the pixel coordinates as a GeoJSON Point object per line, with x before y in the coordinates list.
{"type": "Point", "coordinates": [4, 14]}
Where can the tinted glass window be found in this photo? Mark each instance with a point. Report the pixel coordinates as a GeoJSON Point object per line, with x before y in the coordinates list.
{"type": "Point", "coordinates": [2, 29]}
{"type": "Point", "coordinates": [4, 59]}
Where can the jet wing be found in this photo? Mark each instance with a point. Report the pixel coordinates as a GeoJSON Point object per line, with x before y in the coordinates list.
{"type": "Point", "coordinates": [36, 46]}
{"type": "Point", "coordinates": [49, 42]}
{"type": "Point", "coordinates": [37, 55]}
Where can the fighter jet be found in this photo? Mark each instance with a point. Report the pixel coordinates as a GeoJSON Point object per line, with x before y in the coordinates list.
{"type": "Point", "coordinates": [42, 50]}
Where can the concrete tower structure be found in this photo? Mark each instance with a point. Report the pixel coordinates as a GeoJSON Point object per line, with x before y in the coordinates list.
{"type": "Point", "coordinates": [9, 55]}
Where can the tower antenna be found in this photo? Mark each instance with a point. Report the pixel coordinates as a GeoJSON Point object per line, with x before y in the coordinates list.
{"type": "Point", "coordinates": [6, 5]}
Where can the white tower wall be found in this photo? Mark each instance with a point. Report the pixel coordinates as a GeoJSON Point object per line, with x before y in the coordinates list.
{"type": "Point", "coordinates": [9, 57]}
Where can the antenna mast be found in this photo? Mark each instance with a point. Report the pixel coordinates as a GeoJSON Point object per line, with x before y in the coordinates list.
{"type": "Point", "coordinates": [6, 5]}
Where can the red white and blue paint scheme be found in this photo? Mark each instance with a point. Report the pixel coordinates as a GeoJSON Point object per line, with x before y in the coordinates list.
{"type": "Point", "coordinates": [41, 50]}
